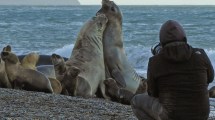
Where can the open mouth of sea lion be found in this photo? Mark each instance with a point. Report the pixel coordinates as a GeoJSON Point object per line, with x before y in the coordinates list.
{"type": "Point", "coordinates": [56, 59]}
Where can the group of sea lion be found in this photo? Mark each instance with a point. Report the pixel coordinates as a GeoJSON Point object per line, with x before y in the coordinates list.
{"type": "Point", "coordinates": [98, 60]}
{"type": "Point", "coordinates": [22, 75]}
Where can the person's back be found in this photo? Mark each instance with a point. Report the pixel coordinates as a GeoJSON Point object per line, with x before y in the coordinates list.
{"type": "Point", "coordinates": [179, 76]}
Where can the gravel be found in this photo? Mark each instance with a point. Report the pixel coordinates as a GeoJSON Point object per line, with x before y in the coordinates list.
{"type": "Point", "coordinates": [19, 105]}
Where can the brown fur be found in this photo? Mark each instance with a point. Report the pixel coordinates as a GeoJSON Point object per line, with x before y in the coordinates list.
{"type": "Point", "coordinates": [56, 85]}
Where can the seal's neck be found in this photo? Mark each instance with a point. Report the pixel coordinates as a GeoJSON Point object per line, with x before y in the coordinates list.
{"type": "Point", "coordinates": [113, 34]}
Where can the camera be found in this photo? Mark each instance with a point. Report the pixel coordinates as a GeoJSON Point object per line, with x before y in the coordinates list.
{"type": "Point", "coordinates": [155, 49]}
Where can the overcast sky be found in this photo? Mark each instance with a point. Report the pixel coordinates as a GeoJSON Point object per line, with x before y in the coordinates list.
{"type": "Point", "coordinates": [119, 2]}
{"type": "Point", "coordinates": [154, 2]}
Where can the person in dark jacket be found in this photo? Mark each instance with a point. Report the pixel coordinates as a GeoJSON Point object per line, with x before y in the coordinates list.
{"type": "Point", "coordinates": [178, 78]}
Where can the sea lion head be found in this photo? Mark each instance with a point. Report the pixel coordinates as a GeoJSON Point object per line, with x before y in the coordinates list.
{"type": "Point", "coordinates": [57, 59]}
{"type": "Point", "coordinates": [59, 66]}
{"type": "Point", "coordinates": [9, 57]}
{"type": "Point", "coordinates": [111, 10]}
{"type": "Point", "coordinates": [31, 59]}
{"type": "Point", "coordinates": [95, 26]}
{"type": "Point", "coordinates": [7, 48]}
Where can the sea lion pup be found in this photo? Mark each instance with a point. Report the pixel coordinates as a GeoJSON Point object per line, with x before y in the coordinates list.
{"type": "Point", "coordinates": [116, 62]}
{"type": "Point", "coordinates": [30, 61]}
{"type": "Point", "coordinates": [60, 70]}
{"type": "Point", "coordinates": [59, 66]}
{"type": "Point", "coordinates": [4, 81]}
{"type": "Point", "coordinates": [31, 79]}
{"type": "Point", "coordinates": [86, 71]}
{"type": "Point", "coordinates": [48, 70]}
{"type": "Point", "coordinates": [43, 59]}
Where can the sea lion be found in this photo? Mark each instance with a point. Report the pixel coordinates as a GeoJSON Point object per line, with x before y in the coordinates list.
{"type": "Point", "coordinates": [32, 80]}
{"type": "Point", "coordinates": [59, 66]}
{"type": "Point", "coordinates": [56, 85]}
{"type": "Point", "coordinates": [30, 61]}
{"type": "Point", "coordinates": [44, 64]}
{"type": "Point", "coordinates": [86, 71]}
{"type": "Point", "coordinates": [43, 59]}
{"type": "Point", "coordinates": [116, 62]}
{"type": "Point", "coordinates": [60, 70]}
{"type": "Point", "coordinates": [4, 81]}
{"type": "Point", "coordinates": [48, 70]}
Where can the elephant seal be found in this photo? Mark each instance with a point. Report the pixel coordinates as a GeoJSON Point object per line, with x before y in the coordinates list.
{"type": "Point", "coordinates": [86, 72]}
{"type": "Point", "coordinates": [31, 79]}
{"type": "Point", "coordinates": [30, 60]}
{"type": "Point", "coordinates": [116, 62]}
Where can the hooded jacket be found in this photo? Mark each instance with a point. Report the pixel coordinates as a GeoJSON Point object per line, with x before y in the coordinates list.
{"type": "Point", "coordinates": [179, 75]}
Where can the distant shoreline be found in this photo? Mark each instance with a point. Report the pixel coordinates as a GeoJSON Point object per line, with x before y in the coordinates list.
{"type": "Point", "coordinates": [100, 5]}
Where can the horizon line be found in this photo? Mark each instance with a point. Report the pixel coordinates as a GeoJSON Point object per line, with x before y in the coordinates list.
{"type": "Point", "coordinates": [100, 5]}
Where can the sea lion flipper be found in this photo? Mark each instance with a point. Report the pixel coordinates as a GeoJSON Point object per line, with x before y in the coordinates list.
{"type": "Point", "coordinates": [117, 75]}
{"type": "Point", "coordinates": [74, 71]}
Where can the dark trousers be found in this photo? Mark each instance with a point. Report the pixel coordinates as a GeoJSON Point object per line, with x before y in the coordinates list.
{"type": "Point", "coordinates": [148, 108]}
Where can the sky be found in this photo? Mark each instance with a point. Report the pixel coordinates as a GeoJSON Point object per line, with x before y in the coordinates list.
{"type": "Point", "coordinates": [152, 2]}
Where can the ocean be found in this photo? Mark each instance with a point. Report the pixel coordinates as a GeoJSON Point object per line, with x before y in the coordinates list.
{"type": "Point", "coordinates": [53, 29]}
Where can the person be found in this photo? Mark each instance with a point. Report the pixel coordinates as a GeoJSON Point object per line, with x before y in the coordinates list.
{"type": "Point", "coordinates": [178, 78]}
